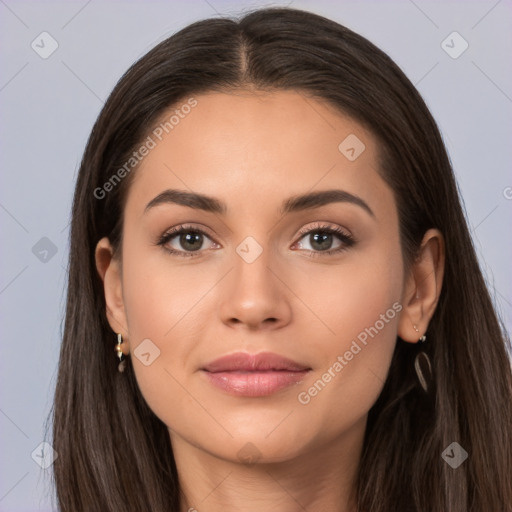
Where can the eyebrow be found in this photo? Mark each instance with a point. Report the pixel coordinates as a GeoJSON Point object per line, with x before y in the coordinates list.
{"type": "Point", "coordinates": [293, 204]}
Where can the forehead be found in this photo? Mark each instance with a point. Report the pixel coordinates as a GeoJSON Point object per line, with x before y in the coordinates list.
{"type": "Point", "coordinates": [257, 146]}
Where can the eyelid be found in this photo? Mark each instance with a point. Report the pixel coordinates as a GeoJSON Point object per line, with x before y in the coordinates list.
{"type": "Point", "coordinates": [326, 226]}
{"type": "Point", "coordinates": [173, 232]}
{"type": "Point", "coordinates": [345, 238]}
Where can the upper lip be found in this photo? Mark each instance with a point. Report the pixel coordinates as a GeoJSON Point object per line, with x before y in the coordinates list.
{"type": "Point", "coordinates": [243, 361]}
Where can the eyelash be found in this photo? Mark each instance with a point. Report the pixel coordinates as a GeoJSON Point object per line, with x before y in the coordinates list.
{"type": "Point", "coordinates": [347, 240]}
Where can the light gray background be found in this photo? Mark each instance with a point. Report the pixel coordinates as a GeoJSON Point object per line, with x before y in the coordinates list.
{"type": "Point", "coordinates": [48, 107]}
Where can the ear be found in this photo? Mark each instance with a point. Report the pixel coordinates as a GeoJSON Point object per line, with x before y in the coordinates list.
{"type": "Point", "coordinates": [422, 287]}
{"type": "Point", "coordinates": [109, 269]}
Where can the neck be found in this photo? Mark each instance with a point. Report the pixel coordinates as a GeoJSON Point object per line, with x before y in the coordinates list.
{"type": "Point", "coordinates": [317, 478]}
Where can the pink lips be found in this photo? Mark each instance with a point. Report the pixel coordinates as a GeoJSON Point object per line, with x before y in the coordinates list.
{"type": "Point", "coordinates": [254, 375]}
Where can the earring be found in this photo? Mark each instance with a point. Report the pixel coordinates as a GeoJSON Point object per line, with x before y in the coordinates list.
{"type": "Point", "coordinates": [422, 338]}
{"type": "Point", "coordinates": [422, 365]}
{"type": "Point", "coordinates": [120, 355]}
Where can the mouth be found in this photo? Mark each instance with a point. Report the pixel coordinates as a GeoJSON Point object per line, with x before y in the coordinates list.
{"type": "Point", "coordinates": [256, 375]}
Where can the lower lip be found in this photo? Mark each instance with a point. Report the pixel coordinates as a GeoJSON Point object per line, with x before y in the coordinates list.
{"type": "Point", "coordinates": [262, 383]}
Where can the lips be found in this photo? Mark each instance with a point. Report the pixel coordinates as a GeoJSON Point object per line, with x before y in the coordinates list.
{"type": "Point", "coordinates": [244, 362]}
{"type": "Point", "coordinates": [254, 375]}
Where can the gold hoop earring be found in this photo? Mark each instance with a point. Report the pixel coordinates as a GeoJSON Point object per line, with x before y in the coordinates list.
{"type": "Point", "coordinates": [120, 355]}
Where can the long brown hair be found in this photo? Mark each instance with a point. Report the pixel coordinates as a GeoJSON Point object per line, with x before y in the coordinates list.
{"type": "Point", "coordinates": [115, 455]}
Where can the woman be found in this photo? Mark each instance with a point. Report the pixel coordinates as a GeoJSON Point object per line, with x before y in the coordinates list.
{"type": "Point", "coordinates": [274, 302]}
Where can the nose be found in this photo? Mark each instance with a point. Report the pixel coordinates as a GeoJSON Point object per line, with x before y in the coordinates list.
{"type": "Point", "coordinates": [255, 296]}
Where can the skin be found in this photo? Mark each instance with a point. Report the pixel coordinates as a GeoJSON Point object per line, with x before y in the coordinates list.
{"type": "Point", "coordinates": [253, 150]}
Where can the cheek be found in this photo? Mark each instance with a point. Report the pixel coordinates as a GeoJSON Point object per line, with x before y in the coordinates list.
{"type": "Point", "coordinates": [161, 294]}
{"type": "Point", "coordinates": [170, 302]}
{"type": "Point", "coordinates": [348, 297]}
{"type": "Point", "coordinates": [359, 305]}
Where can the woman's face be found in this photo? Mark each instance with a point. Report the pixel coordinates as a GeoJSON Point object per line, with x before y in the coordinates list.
{"type": "Point", "coordinates": [265, 275]}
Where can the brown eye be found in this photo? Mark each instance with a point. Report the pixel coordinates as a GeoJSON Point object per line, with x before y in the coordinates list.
{"type": "Point", "coordinates": [321, 240]}
{"type": "Point", "coordinates": [184, 241]}
{"type": "Point", "coordinates": [325, 240]}
{"type": "Point", "coordinates": [191, 241]}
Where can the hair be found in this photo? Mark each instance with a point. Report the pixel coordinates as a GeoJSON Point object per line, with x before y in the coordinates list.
{"type": "Point", "coordinates": [114, 454]}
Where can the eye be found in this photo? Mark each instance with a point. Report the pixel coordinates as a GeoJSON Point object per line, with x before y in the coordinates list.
{"type": "Point", "coordinates": [184, 240]}
{"type": "Point", "coordinates": [321, 239]}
